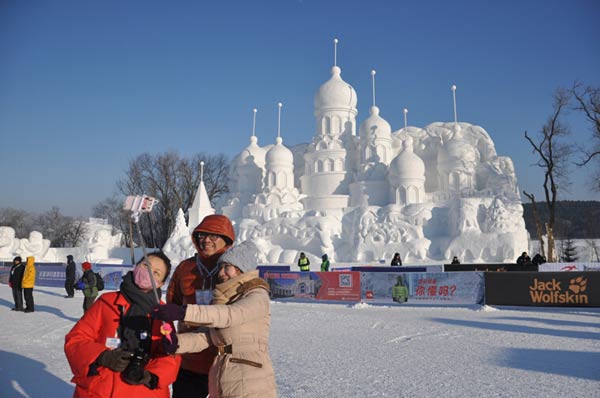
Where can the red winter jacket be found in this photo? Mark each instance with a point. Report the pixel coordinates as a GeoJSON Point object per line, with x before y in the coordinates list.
{"type": "Point", "coordinates": [87, 339]}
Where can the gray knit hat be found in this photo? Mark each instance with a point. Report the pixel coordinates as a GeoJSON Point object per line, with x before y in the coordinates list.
{"type": "Point", "coordinates": [244, 256]}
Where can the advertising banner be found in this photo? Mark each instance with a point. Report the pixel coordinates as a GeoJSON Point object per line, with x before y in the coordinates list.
{"type": "Point", "coordinates": [342, 286]}
{"type": "Point", "coordinates": [112, 274]}
{"type": "Point", "coordinates": [50, 274]}
{"type": "Point", "coordinates": [5, 272]}
{"type": "Point", "coordinates": [431, 287]}
{"type": "Point", "coordinates": [388, 269]}
{"type": "Point", "coordinates": [501, 267]}
{"type": "Point", "coordinates": [272, 268]}
{"type": "Point", "coordinates": [561, 267]}
{"type": "Point", "coordinates": [547, 289]}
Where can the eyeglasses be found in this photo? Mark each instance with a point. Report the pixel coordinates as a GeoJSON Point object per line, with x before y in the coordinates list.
{"type": "Point", "coordinates": [212, 237]}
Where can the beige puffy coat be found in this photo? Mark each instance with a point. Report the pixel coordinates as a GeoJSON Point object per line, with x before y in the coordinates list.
{"type": "Point", "coordinates": [244, 369]}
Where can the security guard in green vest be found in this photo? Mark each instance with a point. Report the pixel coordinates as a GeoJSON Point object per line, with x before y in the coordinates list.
{"type": "Point", "coordinates": [303, 263]}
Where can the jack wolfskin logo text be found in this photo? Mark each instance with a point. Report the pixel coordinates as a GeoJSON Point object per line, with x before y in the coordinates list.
{"type": "Point", "coordinates": [551, 292]}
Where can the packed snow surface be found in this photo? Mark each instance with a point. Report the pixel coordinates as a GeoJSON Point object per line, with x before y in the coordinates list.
{"type": "Point", "coordinates": [357, 350]}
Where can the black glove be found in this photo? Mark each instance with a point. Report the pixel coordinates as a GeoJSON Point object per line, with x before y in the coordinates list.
{"type": "Point", "coordinates": [170, 346]}
{"type": "Point", "coordinates": [150, 380]}
{"type": "Point", "coordinates": [116, 360]}
{"type": "Point", "coordinates": [169, 312]}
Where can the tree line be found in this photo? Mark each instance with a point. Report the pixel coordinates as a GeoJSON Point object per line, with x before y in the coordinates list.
{"type": "Point", "coordinates": [574, 219]}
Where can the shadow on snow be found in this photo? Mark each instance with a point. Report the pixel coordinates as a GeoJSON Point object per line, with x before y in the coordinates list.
{"type": "Point", "coordinates": [22, 377]}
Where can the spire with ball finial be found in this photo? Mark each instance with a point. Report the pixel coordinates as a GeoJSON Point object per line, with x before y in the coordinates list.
{"type": "Point", "coordinates": [254, 122]}
{"type": "Point", "coordinates": [454, 99]}
{"type": "Point", "coordinates": [373, 72]}
{"type": "Point", "coordinates": [279, 105]}
{"type": "Point", "coordinates": [335, 43]}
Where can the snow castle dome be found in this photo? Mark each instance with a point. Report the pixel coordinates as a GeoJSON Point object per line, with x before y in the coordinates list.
{"type": "Point", "coordinates": [407, 164]}
{"type": "Point", "coordinates": [375, 125]}
{"type": "Point", "coordinates": [252, 153]}
{"type": "Point", "coordinates": [279, 154]}
{"type": "Point", "coordinates": [457, 153]}
{"type": "Point", "coordinates": [335, 93]}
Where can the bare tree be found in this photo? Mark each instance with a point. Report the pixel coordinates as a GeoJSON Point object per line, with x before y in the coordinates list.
{"type": "Point", "coordinates": [61, 230]}
{"type": "Point", "coordinates": [553, 159]}
{"type": "Point", "coordinates": [587, 100]}
{"type": "Point", "coordinates": [172, 180]}
{"type": "Point", "coordinates": [538, 222]}
{"type": "Point", "coordinates": [20, 220]}
{"type": "Point", "coordinates": [111, 209]}
{"type": "Point", "coordinates": [593, 249]}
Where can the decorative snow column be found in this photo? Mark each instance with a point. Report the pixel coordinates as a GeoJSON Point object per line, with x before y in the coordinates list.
{"type": "Point", "coordinates": [375, 136]}
{"type": "Point", "coordinates": [327, 164]}
{"type": "Point", "coordinates": [375, 139]}
{"type": "Point", "coordinates": [247, 179]}
{"type": "Point", "coordinates": [279, 163]}
{"type": "Point", "coordinates": [250, 167]}
{"type": "Point", "coordinates": [456, 163]}
{"type": "Point", "coordinates": [246, 176]}
{"type": "Point", "coordinates": [407, 177]}
{"type": "Point", "coordinates": [375, 154]}
{"type": "Point", "coordinates": [279, 194]}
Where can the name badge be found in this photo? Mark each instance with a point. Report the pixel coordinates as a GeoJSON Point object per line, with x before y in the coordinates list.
{"type": "Point", "coordinates": [204, 297]}
{"type": "Point", "coordinates": [113, 343]}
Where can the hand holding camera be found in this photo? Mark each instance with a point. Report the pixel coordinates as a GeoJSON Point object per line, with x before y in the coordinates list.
{"type": "Point", "coordinates": [135, 374]}
{"type": "Point", "coordinates": [117, 360]}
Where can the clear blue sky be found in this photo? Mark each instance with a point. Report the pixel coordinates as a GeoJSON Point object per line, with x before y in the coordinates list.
{"type": "Point", "coordinates": [87, 85]}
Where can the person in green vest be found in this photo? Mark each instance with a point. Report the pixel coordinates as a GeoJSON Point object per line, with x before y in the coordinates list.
{"type": "Point", "coordinates": [303, 263]}
{"type": "Point", "coordinates": [88, 285]}
{"type": "Point", "coordinates": [325, 263]}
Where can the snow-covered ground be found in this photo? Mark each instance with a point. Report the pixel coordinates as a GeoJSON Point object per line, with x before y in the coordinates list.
{"type": "Point", "coordinates": [357, 350]}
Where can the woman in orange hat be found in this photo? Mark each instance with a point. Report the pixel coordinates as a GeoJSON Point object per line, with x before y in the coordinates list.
{"type": "Point", "coordinates": [192, 283]}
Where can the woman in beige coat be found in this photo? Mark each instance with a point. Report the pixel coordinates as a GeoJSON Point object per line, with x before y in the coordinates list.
{"type": "Point", "coordinates": [238, 323]}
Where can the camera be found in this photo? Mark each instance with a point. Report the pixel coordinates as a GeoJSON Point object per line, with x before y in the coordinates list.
{"type": "Point", "coordinates": [134, 372]}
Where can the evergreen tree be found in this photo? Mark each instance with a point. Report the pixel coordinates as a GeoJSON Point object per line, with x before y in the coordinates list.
{"type": "Point", "coordinates": [569, 251]}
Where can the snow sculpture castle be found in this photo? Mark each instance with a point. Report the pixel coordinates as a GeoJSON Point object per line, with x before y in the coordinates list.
{"type": "Point", "coordinates": [427, 193]}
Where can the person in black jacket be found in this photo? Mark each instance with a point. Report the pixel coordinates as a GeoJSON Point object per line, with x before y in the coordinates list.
{"type": "Point", "coordinates": [396, 261]}
{"type": "Point", "coordinates": [15, 280]}
{"type": "Point", "coordinates": [70, 277]}
{"type": "Point", "coordinates": [538, 259]}
{"type": "Point", "coordinates": [524, 259]}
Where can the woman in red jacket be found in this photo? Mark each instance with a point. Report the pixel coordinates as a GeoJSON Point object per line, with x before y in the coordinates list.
{"type": "Point", "coordinates": [114, 350]}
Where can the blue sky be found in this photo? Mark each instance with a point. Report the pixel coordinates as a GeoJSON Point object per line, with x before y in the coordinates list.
{"type": "Point", "coordinates": [85, 86]}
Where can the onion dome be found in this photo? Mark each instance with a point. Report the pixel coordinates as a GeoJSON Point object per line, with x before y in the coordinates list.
{"type": "Point", "coordinates": [407, 164]}
{"type": "Point", "coordinates": [252, 153]}
{"type": "Point", "coordinates": [335, 93]}
{"type": "Point", "coordinates": [279, 154]}
{"type": "Point", "coordinates": [375, 126]}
